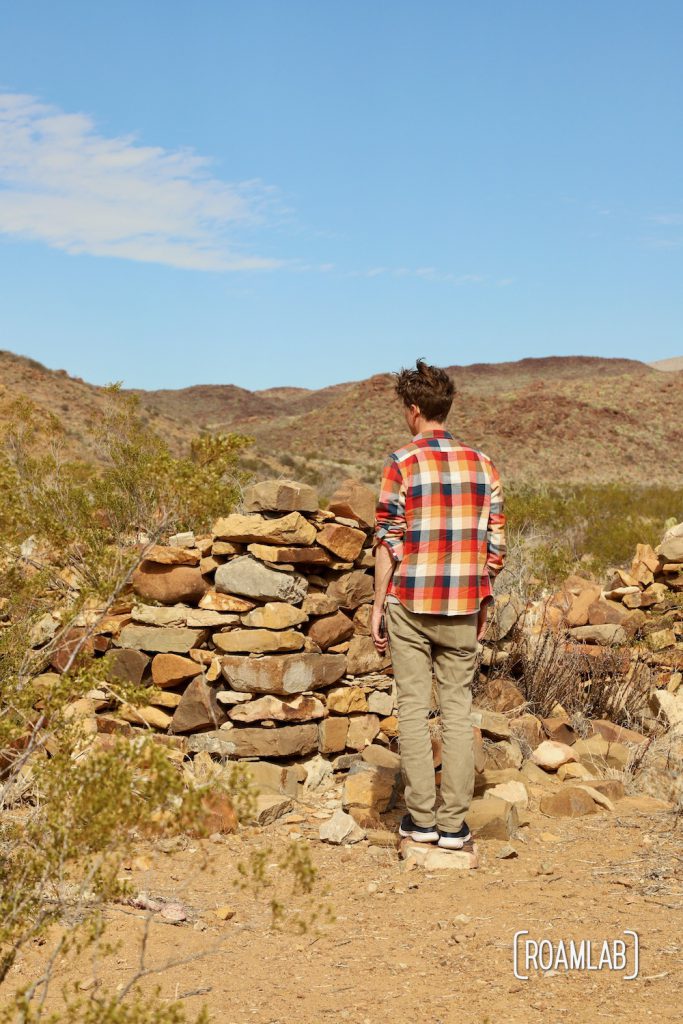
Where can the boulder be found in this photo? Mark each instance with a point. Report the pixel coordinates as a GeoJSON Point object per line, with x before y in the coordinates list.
{"type": "Point", "coordinates": [568, 802]}
{"type": "Point", "coordinates": [286, 673]}
{"type": "Point", "coordinates": [198, 709]}
{"type": "Point", "coordinates": [671, 549]}
{"type": "Point", "coordinates": [355, 500]}
{"type": "Point", "coordinates": [329, 630]}
{"type": "Point", "coordinates": [169, 584]}
{"type": "Point", "coordinates": [343, 541]}
{"type": "Point", "coordinates": [280, 496]}
{"type": "Point", "coordinates": [160, 638]}
{"type": "Point", "coordinates": [246, 576]}
{"type": "Point", "coordinates": [370, 786]}
{"type": "Point", "coordinates": [550, 754]}
{"type": "Point", "coordinates": [258, 641]}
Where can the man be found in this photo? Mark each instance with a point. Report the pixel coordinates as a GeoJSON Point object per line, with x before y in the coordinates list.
{"type": "Point", "coordinates": [439, 543]}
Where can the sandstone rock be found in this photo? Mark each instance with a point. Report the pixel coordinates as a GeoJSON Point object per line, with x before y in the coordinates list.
{"type": "Point", "coordinates": [596, 752]}
{"type": "Point", "coordinates": [275, 778]}
{"type": "Point", "coordinates": [380, 703]}
{"type": "Point", "coordinates": [153, 717]}
{"type": "Point", "coordinates": [550, 754]}
{"type": "Point", "coordinates": [280, 496]}
{"type": "Point", "coordinates": [319, 604]}
{"type": "Point", "coordinates": [270, 807]}
{"type": "Point", "coordinates": [126, 665]}
{"type": "Point", "coordinates": [332, 733]}
{"type": "Point", "coordinates": [671, 549]}
{"type": "Point", "coordinates": [160, 638]}
{"type": "Point", "coordinates": [363, 657]}
{"type": "Point", "coordinates": [381, 757]}
{"type": "Point", "coordinates": [291, 555]}
{"type": "Point", "coordinates": [573, 770]}
{"type": "Point", "coordinates": [152, 615]}
{"type": "Point", "coordinates": [491, 723]}
{"type": "Point", "coordinates": [506, 613]}
{"type": "Point", "coordinates": [512, 792]}
{"type": "Point", "coordinates": [559, 730]}
{"type": "Point", "coordinates": [275, 615]}
{"type": "Point", "coordinates": [286, 673]}
{"type": "Point", "coordinates": [343, 541]}
{"type": "Point", "coordinates": [503, 695]}
{"type": "Point", "coordinates": [291, 709]}
{"type": "Point", "coordinates": [504, 754]}
{"type": "Point", "coordinates": [668, 706]}
{"type": "Point", "coordinates": [616, 733]}
{"type": "Point", "coordinates": [230, 697]}
{"type": "Point", "coordinates": [168, 584]}
{"type": "Point", "coordinates": [172, 669]}
{"type": "Point", "coordinates": [214, 601]}
{"type": "Point", "coordinates": [532, 773]}
{"type": "Point", "coordinates": [362, 620]}
{"type": "Point", "coordinates": [609, 633]}
{"type": "Point", "coordinates": [341, 829]}
{"type": "Point", "coordinates": [362, 731]}
{"type": "Point", "coordinates": [568, 802]}
{"type": "Point", "coordinates": [281, 741]}
{"type": "Point", "coordinates": [245, 576]}
{"type": "Point", "coordinates": [198, 709]}
{"type": "Point", "coordinates": [645, 564]}
{"type": "Point", "coordinates": [370, 787]}
{"type": "Point", "coordinates": [330, 630]}
{"type": "Point", "coordinates": [660, 772]}
{"type": "Point", "coordinates": [528, 729]}
{"type": "Point", "coordinates": [217, 814]}
{"type": "Point", "coordinates": [492, 818]}
{"type": "Point", "coordinates": [611, 788]}
{"type": "Point", "coordinates": [661, 638]}
{"type": "Point", "coordinates": [389, 726]}
{"type": "Point", "coordinates": [258, 640]}
{"type": "Point", "coordinates": [603, 612]}
{"type": "Point", "coordinates": [206, 618]}
{"type": "Point", "coordinates": [168, 555]}
{"type": "Point", "coordinates": [352, 589]}
{"type": "Point", "coordinates": [182, 540]}
{"type": "Point", "coordinates": [225, 548]}
{"type": "Point", "coordinates": [433, 858]}
{"type": "Point", "coordinates": [255, 529]}
{"type": "Point", "coordinates": [356, 500]}
{"type": "Point", "coordinates": [342, 700]}
{"type": "Point", "coordinates": [577, 613]}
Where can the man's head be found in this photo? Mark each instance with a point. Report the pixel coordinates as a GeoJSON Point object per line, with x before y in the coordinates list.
{"type": "Point", "coordinates": [426, 393]}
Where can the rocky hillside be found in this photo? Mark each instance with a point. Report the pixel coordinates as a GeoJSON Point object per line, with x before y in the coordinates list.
{"type": "Point", "coordinates": [568, 418]}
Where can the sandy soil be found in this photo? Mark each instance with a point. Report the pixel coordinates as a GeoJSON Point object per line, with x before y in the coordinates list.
{"type": "Point", "coordinates": [406, 944]}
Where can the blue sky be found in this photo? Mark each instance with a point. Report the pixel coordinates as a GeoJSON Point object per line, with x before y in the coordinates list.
{"type": "Point", "coordinates": [287, 192]}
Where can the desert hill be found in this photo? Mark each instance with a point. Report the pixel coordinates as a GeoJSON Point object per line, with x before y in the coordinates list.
{"type": "Point", "coordinates": [558, 418]}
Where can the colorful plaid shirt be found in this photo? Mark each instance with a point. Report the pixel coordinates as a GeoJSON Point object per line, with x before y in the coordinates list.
{"type": "Point", "coordinates": [440, 513]}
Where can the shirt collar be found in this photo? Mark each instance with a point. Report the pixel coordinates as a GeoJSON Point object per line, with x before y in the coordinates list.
{"type": "Point", "coordinates": [433, 433]}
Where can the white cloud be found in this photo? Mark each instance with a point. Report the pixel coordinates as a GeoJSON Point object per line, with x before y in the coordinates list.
{"type": "Point", "coordinates": [65, 184]}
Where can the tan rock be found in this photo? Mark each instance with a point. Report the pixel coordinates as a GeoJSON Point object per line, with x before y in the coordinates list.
{"type": "Point", "coordinates": [577, 613]}
{"type": "Point", "coordinates": [380, 703]}
{"type": "Point", "coordinates": [512, 792]}
{"type": "Point", "coordinates": [603, 612]}
{"type": "Point", "coordinates": [332, 733]}
{"type": "Point", "coordinates": [363, 657]}
{"type": "Point", "coordinates": [209, 564]}
{"type": "Point", "coordinates": [342, 700]}
{"type": "Point", "coordinates": [225, 549]}
{"type": "Point", "coordinates": [598, 753]}
{"type": "Point", "coordinates": [661, 638]}
{"type": "Point", "coordinates": [225, 602]}
{"type": "Point", "coordinates": [354, 499]}
{"type": "Point", "coordinates": [492, 723]}
{"type": "Point", "coordinates": [198, 708]}
{"type": "Point", "coordinates": [573, 770]}
{"type": "Point", "coordinates": [286, 673]}
{"type": "Point", "coordinates": [609, 633]}
{"type": "Point", "coordinates": [343, 541]}
{"type": "Point", "coordinates": [258, 640]}
{"type": "Point", "coordinates": [247, 576]}
{"type": "Point", "coordinates": [352, 589]}
{"type": "Point", "coordinates": [160, 638]}
{"type": "Point", "coordinates": [290, 555]}
{"type": "Point", "coordinates": [168, 584]}
{"type": "Point", "coordinates": [362, 731]}
{"type": "Point", "coordinates": [126, 665]}
{"type": "Point", "coordinates": [153, 717]}
{"type": "Point", "coordinates": [370, 787]}
{"type": "Point", "coordinates": [319, 604]}
{"type": "Point", "coordinates": [503, 695]}
{"type": "Point", "coordinates": [528, 729]}
{"type": "Point", "coordinates": [252, 741]}
{"type": "Point", "coordinates": [389, 726]}
{"type": "Point", "coordinates": [568, 802]}
{"type": "Point", "coordinates": [166, 699]}
{"type": "Point", "coordinates": [280, 496]}
{"type": "Point", "coordinates": [492, 818]}
{"type": "Point", "coordinates": [549, 755]}
{"type": "Point", "coordinates": [152, 615]}
{"type": "Point", "coordinates": [362, 619]}
{"type": "Point", "coordinates": [559, 730]}
{"type": "Point", "coordinates": [433, 858]}
{"type": "Point", "coordinates": [301, 708]}
{"type": "Point", "coordinates": [671, 549]}
{"type": "Point", "coordinates": [381, 757]}
{"type": "Point", "coordinates": [275, 615]}
{"type": "Point", "coordinates": [329, 630]}
{"type": "Point", "coordinates": [644, 565]}
{"type": "Point", "coordinates": [172, 669]}
{"type": "Point", "coordinates": [167, 555]}
{"type": "Point", "coordinates": [617, 733]}
{"type": "Point", "coordinates": [255, 529]}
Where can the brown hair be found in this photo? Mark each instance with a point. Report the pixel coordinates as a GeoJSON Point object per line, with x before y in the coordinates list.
{"type": "Point", "coordinates": [428, 387]}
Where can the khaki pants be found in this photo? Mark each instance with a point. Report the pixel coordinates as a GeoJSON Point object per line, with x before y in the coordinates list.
{"type": "Point", "coordinates": [449, 642]}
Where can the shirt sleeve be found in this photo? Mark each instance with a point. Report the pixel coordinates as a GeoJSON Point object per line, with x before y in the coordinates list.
{"type": "Point", "coordinates": [390, 518]}
{"type": "Point", "coordinates": [495, 536]}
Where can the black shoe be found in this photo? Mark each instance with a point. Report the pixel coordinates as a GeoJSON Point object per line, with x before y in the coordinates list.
{"type": "Point", "coordinates": [454, 840]}
{"type": "Point", "coordinates": [420, 833]}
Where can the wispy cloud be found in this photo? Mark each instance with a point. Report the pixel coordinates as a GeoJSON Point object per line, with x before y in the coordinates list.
{"type": "Point", "coordinates": [426, 273]}
{"type": "Point", "coordinates": [65, 184]}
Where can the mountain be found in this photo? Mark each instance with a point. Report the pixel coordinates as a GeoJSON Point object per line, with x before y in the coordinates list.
{"type": "Point", "coordinates": [547, 420]}
{"type": "Point", "coordinates": [669, 365]}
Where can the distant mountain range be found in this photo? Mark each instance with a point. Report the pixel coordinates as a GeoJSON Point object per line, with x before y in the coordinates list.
{"type": "Point", "coordinates": [549, 420]}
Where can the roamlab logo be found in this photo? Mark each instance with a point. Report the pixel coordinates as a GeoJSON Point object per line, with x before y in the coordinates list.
{"type": "Point", "coordinates": [618, 955]}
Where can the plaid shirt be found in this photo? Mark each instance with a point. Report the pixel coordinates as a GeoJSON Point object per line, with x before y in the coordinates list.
{"type": "Point", "coordinates": [440, 513]}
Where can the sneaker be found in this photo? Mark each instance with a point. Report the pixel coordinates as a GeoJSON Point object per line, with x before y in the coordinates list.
{"type": "Point", "coordinates": [454, 840]}
{"type": "Point", "coordinates": [420, 833]}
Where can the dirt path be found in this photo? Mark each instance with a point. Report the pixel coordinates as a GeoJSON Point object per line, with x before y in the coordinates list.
{"type": "Point", "coordinates": [412, 946]}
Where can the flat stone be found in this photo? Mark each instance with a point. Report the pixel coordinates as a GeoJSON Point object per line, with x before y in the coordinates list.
{"type": "Point", "coordinates": [319, 604]}
{"type": "Point", "coordinates": [275, 778]}
{"type": "Point", "coordinates": [153, 615]}
{"type": "Point", "coordinates": [225, 602]}
{"type": "Point", "coordinates": [341, 829]}
{"type": "Point", "coordinates": [126, 665]}
{"type": "Point", "coordinates": [280, 709]}
{"type": "Point", "coordinates": [330, 630]}
{"type": "Point", "coordinates": [492, 818]}
{"type": "Point", "coordinates": [596, 752]}
{"type": "Point", "coordinates": [280, 496]}
{"type": "Point", "coordinates": [433, 858]}
{"type": "Point", "coordinates": [168, 555]}
{"type": "Point", "coordinates": [291, 555]}
{"type": "Point", "coordinates": [332, 733]}
{"type": "Point", "coordinates": [255, 529]}
{"type": "Point", "coordinates": [269, 808]}
{"type": "Point", "coordinates": [150, 716]}
{"type": "Point", "coordinates": [343, 541]}
{"type": "Point", "coordinates": [246, 576]}
{"type": "Point", "coordinates": [512, 792]}
{"type": "Point", "coordinates": [198, 709]}
{"type": "Point", "coordinates": [380, 703]}
{"type": "Point", "coordinates": [275, 615]}
{"type": "Point", "coordinates": [355, 500]}
{"type": "Point", "coordinates": [281, 741]}
{"type": "Point", "coordinates": [573, 770]}
{"type": "Point", "coordinates": [160, 638]}
{"type": "Point", "coordinates": [182, 540]}
{"type": "Point", "coordinates": [617, 733]}
{"type": "Point", "coordinates": [363, 657]}
{"type": "Point", "coordinates": [172, 669]}
{"type": "Point", "coordinates": [258, 640]}
{"type": "Point", "coordinates": [207, 618]}
{"type": "Point", "coordinates": [362, 731]}
{"type": "Point", "coordinates": [568, 802]}
{"type": "Point", "coordinates": [370, 786]}
{"type": "Point", "coordinates": [226, 548]}
{"type": "Point", "coordinates": [169, 584]}
{"type": "Point", "coordinates": [352, 589]}
{"type": "Point", "coordinates": [342, 700]}
{"type": "Point", "coordinates": [671, 550]}
{"type": "Point", "coordinates": [492, 723]}
{"type": "Point", "coordinates": [381, 757]}
{"type": "Point", "coordinates": [286, 673]}
{"type": "Point", "coordinates": [609, 633]}
{"type": "Point", "coordinates": [550, 754]}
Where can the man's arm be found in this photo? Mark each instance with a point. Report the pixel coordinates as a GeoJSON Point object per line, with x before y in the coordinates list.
{"type": "Point", "coordinates": [390, 526]}
{"type": "Point", "coordinates": [495, 537]}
